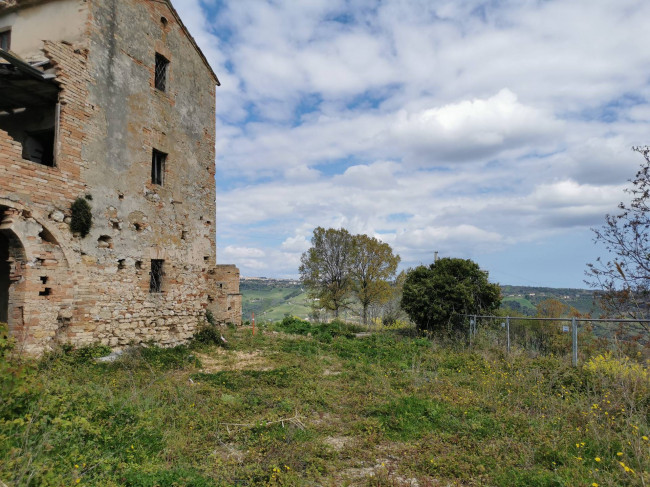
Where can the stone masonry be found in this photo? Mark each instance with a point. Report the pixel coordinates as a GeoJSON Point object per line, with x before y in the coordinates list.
{"type": "Point", "coordinates": [115, 106]}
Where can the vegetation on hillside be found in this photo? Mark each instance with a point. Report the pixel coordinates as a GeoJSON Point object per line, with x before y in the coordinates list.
{"type": "Point", "coordinates": [304, 404]}
{"type": "Point", "coordinates": [272, 299]}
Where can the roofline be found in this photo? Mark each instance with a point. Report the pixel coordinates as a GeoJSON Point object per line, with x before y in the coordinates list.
{"type": "Point", "coordinates": [25, 67]}
{"type": "Point", "coordinates": [10, 5]}
{"type": "Point", "coordinates": [189, 36]}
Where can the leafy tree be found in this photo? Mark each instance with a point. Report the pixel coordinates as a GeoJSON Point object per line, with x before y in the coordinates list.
{"type": "Point", "coordinates": [551, 308]}
{"type": "Point", "coordinates": [325, 268]}
{"type": "Point", "coordinates": [625, 277]}
{"type": "Point", "coordinates": [436, 297]}
{"type": "Point", "coordinates": [373, 265]}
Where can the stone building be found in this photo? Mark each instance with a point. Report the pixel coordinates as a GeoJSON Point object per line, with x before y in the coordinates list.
{"type": "Point", "coordinates": [110, 103]}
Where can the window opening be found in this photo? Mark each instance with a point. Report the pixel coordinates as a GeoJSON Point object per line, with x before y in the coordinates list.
{"type": "Point", "coordinates": [156, 276]}
{"type": "Point", "coordinates": [160, 78]}
{"type": "Point", "coordinates": [158, 167]}
{"type": "Point", "coordinates": [5, 39]}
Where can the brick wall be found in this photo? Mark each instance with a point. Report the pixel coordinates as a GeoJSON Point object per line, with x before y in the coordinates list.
{"type": "Point", "coordinates": [111, 119]}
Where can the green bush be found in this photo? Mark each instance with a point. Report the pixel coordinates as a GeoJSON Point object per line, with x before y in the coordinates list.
{"type": "Point", "coordinates": [81, 217]}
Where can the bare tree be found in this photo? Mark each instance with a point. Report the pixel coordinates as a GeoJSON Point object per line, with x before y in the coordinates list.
{"type": "Point", "coordinates": [624, 277]}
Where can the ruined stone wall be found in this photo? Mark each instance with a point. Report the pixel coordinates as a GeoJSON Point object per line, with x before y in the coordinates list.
{"type": "Point", "coordinates": [111, 119]}
{"type": "Point", "coordinates": [227, 306]}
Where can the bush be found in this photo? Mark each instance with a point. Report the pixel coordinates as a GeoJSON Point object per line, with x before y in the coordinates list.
{"type": "Point", "coordinates": [437, 297]}
{"type": "Point", "coordinates": [626, 379]}
{"type": "Point", "coordinates": [81, 217]}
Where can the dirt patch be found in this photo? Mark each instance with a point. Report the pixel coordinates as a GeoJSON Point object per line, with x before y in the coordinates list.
{"type": "Point", "coordinates": [383, 470]}
{"type": "Point", "coordinates": [222, 359]}
{"type": "Point", "coordinates": [338, 443]}
{"type": "Point", "coordinates": [327, 372]}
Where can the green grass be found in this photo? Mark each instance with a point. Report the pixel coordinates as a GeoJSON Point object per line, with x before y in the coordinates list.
{"type": "Point", "coordinates": [301, 404]}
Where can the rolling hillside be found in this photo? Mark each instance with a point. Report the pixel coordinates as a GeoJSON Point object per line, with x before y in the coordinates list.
{"type": "Point", "coordinates": [272, 299]}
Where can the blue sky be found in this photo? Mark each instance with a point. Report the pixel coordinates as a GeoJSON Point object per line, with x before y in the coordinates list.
{"type": "Point", "coordinates": [499, 131]}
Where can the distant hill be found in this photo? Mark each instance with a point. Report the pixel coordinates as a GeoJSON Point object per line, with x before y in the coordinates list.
{"type": "Point", "coordinates": [272, 299]}
{"type": "Point", "coordinates": [524, 299]}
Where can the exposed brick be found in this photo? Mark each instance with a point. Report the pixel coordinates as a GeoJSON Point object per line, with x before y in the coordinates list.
{"type": "Point", "coordinates": [97, 289]}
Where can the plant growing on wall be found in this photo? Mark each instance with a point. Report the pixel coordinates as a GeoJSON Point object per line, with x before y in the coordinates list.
{"type": "Point", "coordinates": [81, 217]}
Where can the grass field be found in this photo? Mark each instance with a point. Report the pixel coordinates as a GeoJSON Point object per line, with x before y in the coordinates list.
{"type": "Point", "coordinates": [301, 404]}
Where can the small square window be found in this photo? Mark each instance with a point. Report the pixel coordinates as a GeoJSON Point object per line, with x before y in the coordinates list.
{"type": "Point", "coordinates": [5, 39]}
{"type": "Point", "coordinates": [160, 79]}
{"type": "Point", "coordinates": [156, 276]}
{"type": "Point", "coordinates": [158, 160]}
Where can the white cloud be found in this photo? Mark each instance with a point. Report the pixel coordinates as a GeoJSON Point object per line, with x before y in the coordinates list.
{"type": "Point", "coordinates": [359, 114]}
{"type": "Point", "coordinates": [242, 252]}
{"type": "Point", "coordinates": [473, 129]}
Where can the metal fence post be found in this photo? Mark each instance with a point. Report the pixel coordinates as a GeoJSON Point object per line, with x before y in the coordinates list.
{"type": "Point", "coordinates": [574, 340]}
{"type": "Point", "coordinates": [471, 330]}
{"type": "Point", "coordinates": [508, 332]}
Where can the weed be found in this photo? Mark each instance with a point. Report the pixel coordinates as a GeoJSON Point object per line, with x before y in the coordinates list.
{"type": "Point", "coordinates": [323, 407]}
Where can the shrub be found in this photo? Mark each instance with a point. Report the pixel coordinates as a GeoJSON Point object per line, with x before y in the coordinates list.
{"type": "Point", "coordinates": [629, 379]}
{"type": "Point", "coordinates": [81, 217]}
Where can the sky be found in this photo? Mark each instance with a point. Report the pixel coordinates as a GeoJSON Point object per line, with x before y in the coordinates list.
{"type": "Point", "coordinates": [496, 130]}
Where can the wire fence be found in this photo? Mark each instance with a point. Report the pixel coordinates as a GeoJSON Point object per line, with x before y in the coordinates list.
{"type": "Point", "coordinates": [577, 338]}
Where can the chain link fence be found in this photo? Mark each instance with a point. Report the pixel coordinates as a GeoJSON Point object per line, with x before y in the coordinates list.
{"type": "Point", "coordinates": [576, 338]}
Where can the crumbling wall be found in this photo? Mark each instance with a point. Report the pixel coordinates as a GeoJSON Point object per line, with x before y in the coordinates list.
{"type": "Point", "coordinates": [111, 119]}
{"type": "Point", "coordinates": [60, 20]}
{"type": "Point", "coordinates": [227, 305]}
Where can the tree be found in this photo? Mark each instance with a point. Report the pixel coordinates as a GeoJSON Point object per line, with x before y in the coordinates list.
{"type": "Point", "coordinates": [373, 265]}
{"type": "Point", "coordinates": [436, 297]}
{"type": "Point", "coordinates": [325, 268]}
{"type": "Point", "coordinates": [625, 277]}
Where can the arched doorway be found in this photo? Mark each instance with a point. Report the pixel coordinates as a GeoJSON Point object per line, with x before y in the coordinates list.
{"type": "Point", "coordinates": [4, 278]}
{"type": "Point", "coordinates": [12, 261]}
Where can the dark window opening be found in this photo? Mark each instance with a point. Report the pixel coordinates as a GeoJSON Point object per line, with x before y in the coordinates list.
{"type": "Point", "coordinates": [43, 279]}
{"type": "Point", "coordinates": [156, 276]}
{"type": "Point", "coordinates": [45, 292]}
{"type": "Point", "coordinates": [158, 167]}
{"type": "Point", "coordinates": [5, 40]}
{"type": "Point", "coordinates": [138, 264]}
{"type": "Point", "coordinates": [121, 264]}
{"type": "Point", "coordinates": [34, 127]}
{"type": "Point", "coordinates": [38, 146]}
{"type": "Point", "coordinates": [160, 78]}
